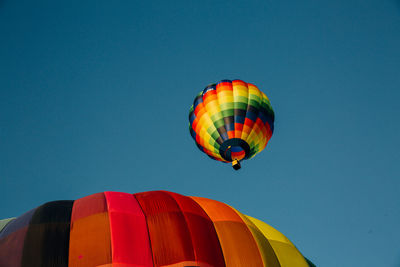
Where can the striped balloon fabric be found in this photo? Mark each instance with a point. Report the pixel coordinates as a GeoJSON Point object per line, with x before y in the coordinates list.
{"type": "Point", "coordinates": [156, 228]}
{"type": "Point", "coordinates": [231, 120]}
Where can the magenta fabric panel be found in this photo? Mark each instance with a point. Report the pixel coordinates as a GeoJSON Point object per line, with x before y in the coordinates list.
{"type": "Point", "coordinates": [129, 234]}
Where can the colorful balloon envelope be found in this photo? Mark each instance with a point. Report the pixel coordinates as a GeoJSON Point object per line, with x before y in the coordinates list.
{"type": "Point", "coordinates": [156, 228]}
{"type": "Point", "coordinates": [231, 121]}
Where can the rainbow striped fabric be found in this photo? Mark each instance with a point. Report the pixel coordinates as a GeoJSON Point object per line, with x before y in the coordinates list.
{"type": "Point", "coordinates": [149, 229]}
{"type": "Point", "coordinates": [231, 120]}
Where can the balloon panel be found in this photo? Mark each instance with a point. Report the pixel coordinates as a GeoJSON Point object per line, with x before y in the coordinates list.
{"type": "Point", "coordinates": [232, 233]}
{"type": "Point", "coordinates": [129, 235]}
{"type": "Point", "coordinates": [90, 236]}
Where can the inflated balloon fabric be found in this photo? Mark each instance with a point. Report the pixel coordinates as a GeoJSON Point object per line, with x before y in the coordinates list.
{"type": "Point", "coordinates": [231, 120]}
{"type": "Point", "coordinates": [156, 228]}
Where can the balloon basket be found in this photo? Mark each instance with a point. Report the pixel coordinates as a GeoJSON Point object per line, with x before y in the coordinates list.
{"type": "Point", "coordinates": [236, 165]}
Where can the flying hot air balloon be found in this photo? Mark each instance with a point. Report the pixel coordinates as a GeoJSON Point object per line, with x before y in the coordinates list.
{"type": "Point", "coordinates": [231, 121]}
{"type": "Point", "coordinates": [149, 229]}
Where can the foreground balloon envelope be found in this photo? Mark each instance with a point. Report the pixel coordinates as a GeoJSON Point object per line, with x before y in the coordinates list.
{"type": "Point", "coordinates": [156, 228]}
{"type": "Point", "coordinates": [231, 120]}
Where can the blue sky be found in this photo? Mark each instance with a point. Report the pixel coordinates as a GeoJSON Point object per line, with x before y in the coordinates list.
{"type": "Point", "coordinates": [94, 96]}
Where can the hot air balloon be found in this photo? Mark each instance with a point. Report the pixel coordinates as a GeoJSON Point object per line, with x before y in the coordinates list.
{"type": "Point", "coordinates": [156, 228]}
{"type": "Point", "coordinates": [231, 121]}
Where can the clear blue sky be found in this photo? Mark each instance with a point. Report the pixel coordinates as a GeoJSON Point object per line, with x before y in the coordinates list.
{"type": "Point", "coordinates": [94, 96]}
